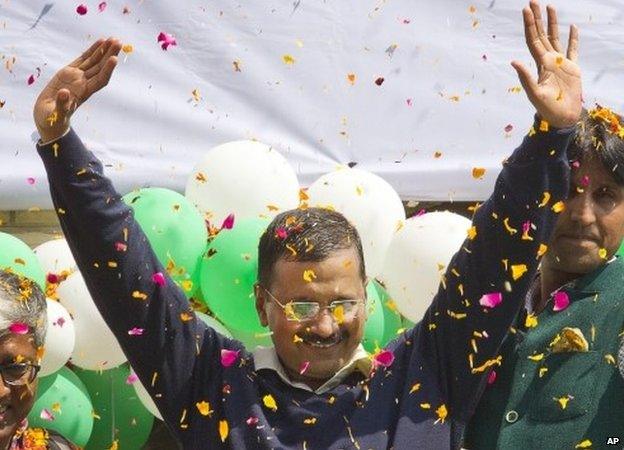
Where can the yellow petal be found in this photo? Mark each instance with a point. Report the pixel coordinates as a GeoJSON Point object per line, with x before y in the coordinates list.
{"type": "Point", "coordinates": [585, 444]}
{"type": "Point", "coordinates": [478, 172]}
{"type": "Point", "coordinates": [517, 270]}
{"type": "Point", "coordinates": [542, 250]}
{"type": "Point", "coordinates": [545, 199]}
{"type": "Point", "coordinates": [537, 357]}
{"type": "Point", "coordinates": [602, 253]}
{"type": "Point", "coordinates": [531, 321]}
{"type": "Point", "coordinates": [224, 430]}
{"type": "Point", "coordinates": [472, 233]}
{"type": "Point", "coordinates": [558, 207]}
{"type": "Point", "coordinates": [289, 60]}
{"type": "Point", "coordinates": [442, 412]}
{"type": "Point", "coordinates": [339, 314]}
{"type": "Point", "coordinates": [269, 402]}
{"type": "Point", "coordinates": [544, 126]}
{"type": "Point", "coordinates": [309, 275]}
{"type": "Point", "coordinates": [204, 408]}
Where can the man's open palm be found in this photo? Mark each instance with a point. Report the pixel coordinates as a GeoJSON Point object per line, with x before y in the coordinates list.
{"type": "Point", "coordinates": [557, 92]}
{"type": "Point", "coordinates": [73, 85]}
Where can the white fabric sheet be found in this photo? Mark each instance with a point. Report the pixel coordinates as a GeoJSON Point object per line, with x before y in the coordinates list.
{"type": "Point", "coordinates": [448, 86]}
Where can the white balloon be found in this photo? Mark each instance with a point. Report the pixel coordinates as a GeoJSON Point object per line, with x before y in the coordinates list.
{"type": "Point", "coordinates": [368, 202]}
{"type": "Point", "coordinates": [246, 178]}
{"type": "Point", "coordinates": [60, 338]}
{"type": "Point", "coordinates": [144, 396]}
{"type": "Point", "coordinates": [412, 269]}
{"type": "Point", "coordinates": [96, 347]}
{"type": "Point", "coordinates": [55, 256]}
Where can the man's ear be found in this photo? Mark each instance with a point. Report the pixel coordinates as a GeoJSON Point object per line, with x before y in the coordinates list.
{"type": "Point", "coordinates": [261, 299]}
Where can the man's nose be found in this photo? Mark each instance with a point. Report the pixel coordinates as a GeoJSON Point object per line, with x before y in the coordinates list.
{"type": "Point", "coordinates": [325, 324]}
{"type": "Point", "coordinates": [582, 209]}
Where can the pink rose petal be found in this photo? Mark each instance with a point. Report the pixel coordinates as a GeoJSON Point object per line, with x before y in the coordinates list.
{"type": "Point", "coordinates": [384, 358]}
{"type": "Point", "coordinates": [491, 300]}
{"type": "Point", "coordinates": [526, 227]}
{"type": "Point", "coordinates": [228, 223]}
{"type": "Point", "coordinates": [18, 328]}
{"type": "Point", "coordinates": [136, 331]}
{"type": "Point", "coordinates": [491, 377]}
{"type": "Point", "coordinates": [102, 6]}
{"type": "Point", "coordinates": [509, 127]}
{"type": "Point", "coordinates": [228, 357]}
{"type": "Point", "coordinates": [52, 278]}
{"type": "Point", "coordinates": [562, 301]}
{"type": "Point", "coordinates": [132, 378]}
{"type": "Point", "coordinates": [304, 367]}
{"type": "Point", "coordinates": [81, 9]}
{"type": "Point", "coordinates": [30, 180]}
{"type": "Point", "coordinates": [31, 79]}
{"type": "Point", "coordinates": [409, 102]}
{"type": "Point", "coordinates": [121, 247]}
{"type": "Point", "coordinates": [281, 233]}
{"type": "Point", "coordinates": [251, 421]}
{"type": "Point", "coordinates": [46, 415]}
{"type": "Point", "coordinates": [166, 40]}
{"type": "Point", "coordinates": [585, 181]}
{"type": "Point", "coordinates": [159, 279]}
{"type": "Point", "coordinates": [576, 164]}
{"type": "Point", "coordinates": [59, 322]}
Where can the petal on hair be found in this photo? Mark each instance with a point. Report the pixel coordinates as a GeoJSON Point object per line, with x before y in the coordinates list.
{"type": "Point", "coordinates": [136, 331]}
{"type": "Point", "coordinates": [18, 328]}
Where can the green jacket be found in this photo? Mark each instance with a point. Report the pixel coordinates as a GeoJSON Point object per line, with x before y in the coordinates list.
{"type": "Point", "coordinates": [547, 399]}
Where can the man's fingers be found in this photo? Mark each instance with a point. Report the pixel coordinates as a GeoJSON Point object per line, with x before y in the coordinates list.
{"type": "Point", "coordinates": [533, 41]}
{"type": "Point", "coordinates": [573, 43]}
{"type": "Point", "coordinates": [553, 29]}
{"type": "Point", "coordinates": [113, 49]}
{"type": "Point", "coordinates": [526, 79]}
{"type": "Point", "coordinates": [539, 24]}
{"type": "Point", "coordinates": [102, 78]}
{"type": "Point", "coordinates": [87, 53]}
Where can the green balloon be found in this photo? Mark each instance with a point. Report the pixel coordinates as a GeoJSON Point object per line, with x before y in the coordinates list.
{"type": "Point", "coordinates": [18, 257]}
{"type": "Point", "coordinates": [122, 416]}
{"type": "Point", "coordinates": [64, 396]}
{"type": "Point", "coordinates": [228, 273]}
{"type": "Point", "coordinates": [392, 317]}
{"type": "Point", "coordinates": [214, 323]}
{"type": "Point", "coordinates": [251, 339]}
{"type": "Point", "coordinates": [374, 328]}
{"type": "Point", "coordinates": [175, 229]}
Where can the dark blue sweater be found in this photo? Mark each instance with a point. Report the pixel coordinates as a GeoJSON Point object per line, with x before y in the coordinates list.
{"type": "Point", "coordinates": [422, 401]}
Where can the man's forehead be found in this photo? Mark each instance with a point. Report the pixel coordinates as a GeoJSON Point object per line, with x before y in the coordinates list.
{"type": "Point", "coordinates": [592, 170]}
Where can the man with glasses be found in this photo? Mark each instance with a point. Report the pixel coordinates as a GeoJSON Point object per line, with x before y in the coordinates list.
{"type": "Point", "coordinates": [311, 390]}
{"type": "Point", "coordinates": [559, 384]}
{"type": "Point", "coordinates": [22, 336]}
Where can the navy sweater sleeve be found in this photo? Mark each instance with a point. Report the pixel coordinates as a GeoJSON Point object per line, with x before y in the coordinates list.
{"type": "Point", "coordinates": [117, 264]}
{"type": "Point", "coordinates": [500, 256]}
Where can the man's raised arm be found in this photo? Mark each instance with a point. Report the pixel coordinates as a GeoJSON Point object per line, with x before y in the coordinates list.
{"type": "Point", "coordinates": [112, 252]}
{"type": "Point", "coordinates": [487, 280]}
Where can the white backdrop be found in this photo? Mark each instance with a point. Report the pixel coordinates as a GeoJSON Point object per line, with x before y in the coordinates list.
{"type": "Point", "coordinates": [448, 86]}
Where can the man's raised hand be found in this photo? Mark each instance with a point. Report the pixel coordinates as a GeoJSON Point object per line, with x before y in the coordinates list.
{"type": "Point", "coordinates": [72, 86]}
{"type": "Point", "coordinates": [557, 93]}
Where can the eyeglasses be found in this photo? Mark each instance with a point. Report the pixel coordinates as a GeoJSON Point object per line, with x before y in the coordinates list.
{"type": "Point", "coordinates": [342, 310]}
{"type": "Point", "coordinates": [18, 374]}
{"type": "Point", "coordinates": [603, 201]}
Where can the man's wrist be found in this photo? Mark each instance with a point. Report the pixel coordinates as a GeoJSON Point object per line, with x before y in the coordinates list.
{"type": "Point", "coordinates": [48, 138]}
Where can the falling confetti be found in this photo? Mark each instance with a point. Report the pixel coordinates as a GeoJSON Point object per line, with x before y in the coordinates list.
{"type": "Point", "coordinates": [491, 300]}
{"type": "Point", "coordinates": [288, 60]}
{"type": "Point", "coordinates": [166, 40]}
